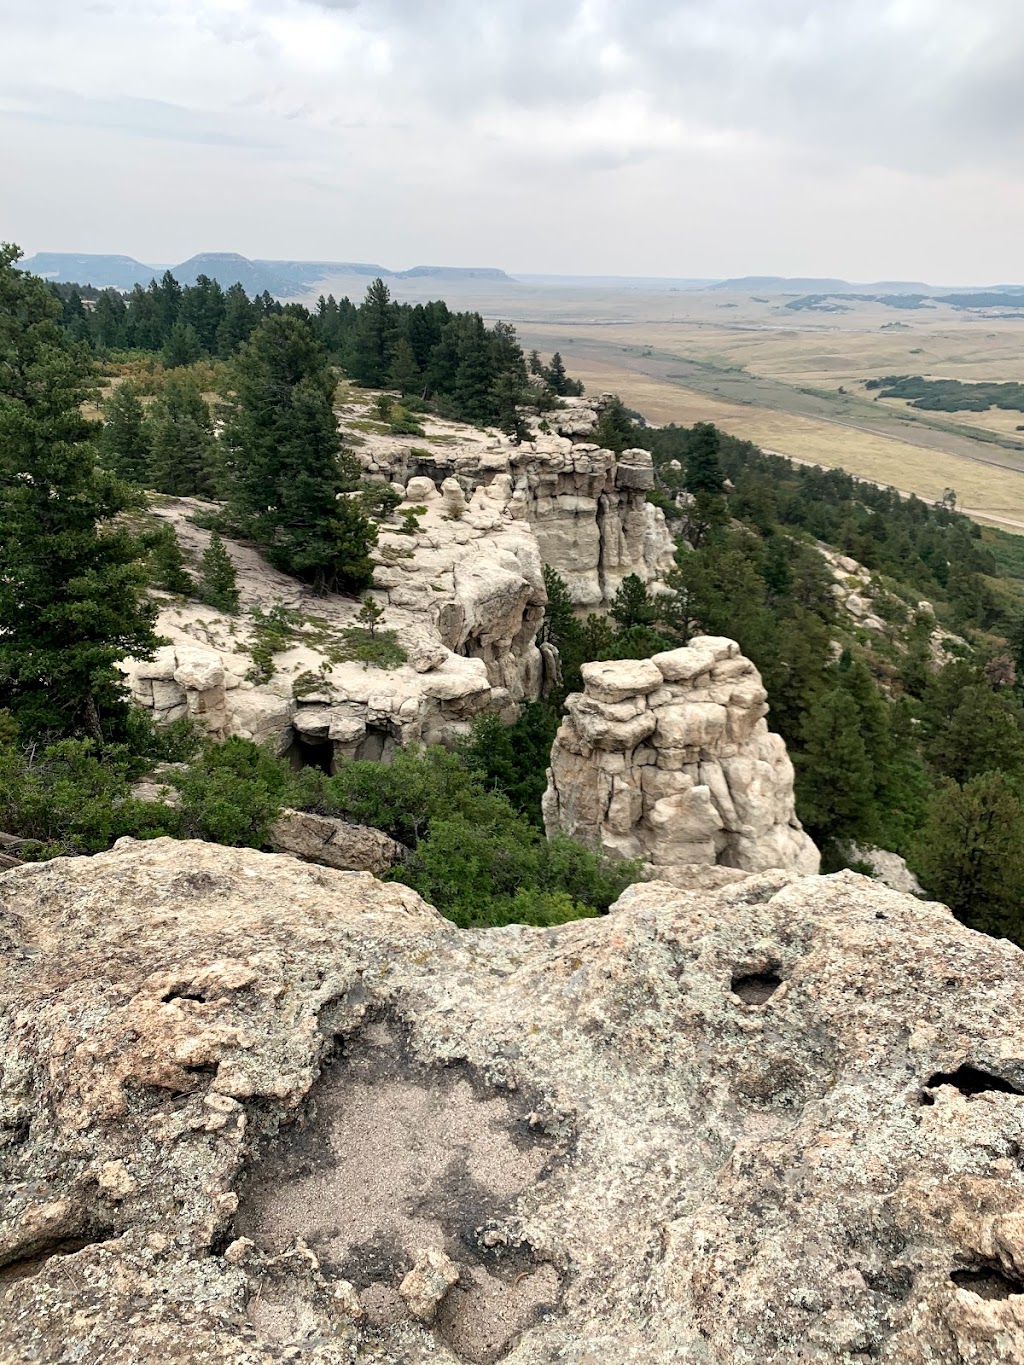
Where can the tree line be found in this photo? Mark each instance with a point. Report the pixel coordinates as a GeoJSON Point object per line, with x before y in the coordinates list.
{"type": "Point", "coordinates": [448, 361]}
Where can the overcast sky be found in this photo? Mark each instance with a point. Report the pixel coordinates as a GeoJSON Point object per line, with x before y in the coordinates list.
{"type": "Point", "coordinates": [874, 139]}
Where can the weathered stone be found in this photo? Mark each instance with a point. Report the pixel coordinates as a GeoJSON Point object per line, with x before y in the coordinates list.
{"type": "Point", "coordinates": [426, 1284]}
{"type": "Point", "coordinates": [335, 843]}
{"type": "Point", "coordinates": [712, 784]}
{"type": "Point", "coordinates": [765, 1120]}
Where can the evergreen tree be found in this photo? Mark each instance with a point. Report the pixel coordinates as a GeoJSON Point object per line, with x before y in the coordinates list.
{"type": "Point", "coordinates": [703, 467]}
{"type": "Point", "coordinates": [125, 440]}
{"type": "Point", "coordinates": [182, 346]}
{"type": "Point", "coordinates": [167, 564]}
{"type": "Point", "coordinates": [534, 364]}
{"type": "Point", "coordinates": [405, 373]}
{"type": "Point", "coordinates": [632, 605]}
{"type": "Point", "coordinates": [970, 854]}
{"type": "Point", "coordinates": [237, 323]}
{"type": "Point", "coordinates": [507, 396]}
{"type": "Point", "coordinates": [71, 579]}
{"type": "Point", "coordinates": [370, 362]}
{"type": "Point", "coordinates": [835, 784]}
{"type": "Point", "coordinates": [615, 429]}
{"type": "Point", "coordinates": [561, 629]}
{"type": "Point", "coordinates": [475, 375]}
{"type": "Point", "coordinates": [556, 376]}
{"type": "Point", "coordinates": [282, 445]}
{"type": "Point", "coordinates": [184, 458]}
{"type": "Point", "coordinates": [218, 584]}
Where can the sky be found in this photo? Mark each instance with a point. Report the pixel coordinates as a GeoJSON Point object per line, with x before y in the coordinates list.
{"type": "Point", "coordinates": [870, 139]}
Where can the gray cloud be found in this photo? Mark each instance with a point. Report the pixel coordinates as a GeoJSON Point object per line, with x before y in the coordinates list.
{"type": "Point", "coordinates": [455, 128]}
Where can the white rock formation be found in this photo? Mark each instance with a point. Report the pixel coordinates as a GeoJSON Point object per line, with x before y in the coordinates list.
{"type": "Point", "coordinates": [670, 759]}
{"type": "Point", "coordinates": [464, 593]}
{"type": "Point", "coordinates": [585, 505]}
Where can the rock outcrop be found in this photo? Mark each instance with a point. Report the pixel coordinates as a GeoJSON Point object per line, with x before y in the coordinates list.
{"type": "Point", "coordinates": [253, 1110]}
{"type": "Point", "coordinates": [670, 759]}
{"type": "Point", "coordinates": [585, 505]}
{"type": "Point", "coordinates": [464, 594]}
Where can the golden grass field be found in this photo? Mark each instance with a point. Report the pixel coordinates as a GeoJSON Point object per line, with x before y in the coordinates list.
{"type": "Point", "coordinates": [772, 375]}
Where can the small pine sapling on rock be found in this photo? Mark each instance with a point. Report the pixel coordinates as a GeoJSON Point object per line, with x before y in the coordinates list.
{"type": "Point", "coordinates": [370, 615]}
{"type": "Point", "coordinates": [167, 565]}
{"type": "Point", "coordinates": [218, 584]}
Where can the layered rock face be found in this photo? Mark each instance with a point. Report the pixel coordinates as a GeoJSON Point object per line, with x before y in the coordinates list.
{"type": "Point", "coordinates": [585, 505]}
{"type": "Point", "coordinates": [464, 592]}
{"type": "Point", "coordinates": [670, 759]}
{"type": "Point", "coordinates": [253, 1110]}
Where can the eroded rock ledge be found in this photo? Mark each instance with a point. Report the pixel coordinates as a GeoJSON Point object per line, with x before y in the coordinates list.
{"type": "Point", "coordinates": [253, 1110]}
{"type": "Point", "coordinates": [670, 759]}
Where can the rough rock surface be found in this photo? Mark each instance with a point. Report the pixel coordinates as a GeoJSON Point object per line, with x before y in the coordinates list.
{"type": "Point", "coordinates": [465, 597]}
{"type": "Point", "coordinates": [670, 759]}
{"type": "Point", "coordinates": [776, 1122]}
{"type": "Point", "coordinates": [585, 505]}
{"type": "Point", "coordinates": [335, 843]}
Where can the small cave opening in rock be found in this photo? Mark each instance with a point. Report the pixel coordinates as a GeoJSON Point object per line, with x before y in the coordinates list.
{"type": "Point", "coordinates": [390, 1157]}
{"type": "Point", "coordinates": [969, 1080]}
{"type": "Point", "coordinates": [987, 1281]}
{"type": "Point", "coordinates": [175, 994]}
{"type": "Point", "coordinates": [754, 988]}
{"type": "Point", "coordinates": [311, 753]}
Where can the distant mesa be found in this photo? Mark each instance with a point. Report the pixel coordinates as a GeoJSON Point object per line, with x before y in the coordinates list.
{"type": "Point", "coordinates": [283, 279]}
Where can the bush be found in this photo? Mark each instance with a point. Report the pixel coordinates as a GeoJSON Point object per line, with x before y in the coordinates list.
{"type": "Point", "coordinates": [474, 856]}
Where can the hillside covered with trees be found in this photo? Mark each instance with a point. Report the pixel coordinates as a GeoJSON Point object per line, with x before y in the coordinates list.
{"type": "Point", "coordinates": [908, 735]}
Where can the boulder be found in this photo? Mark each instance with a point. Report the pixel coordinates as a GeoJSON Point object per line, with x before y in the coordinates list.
{"type": "Point", "coordinates": [335, 843]}
{"type": "Point", "coordinates": [256, 1110]}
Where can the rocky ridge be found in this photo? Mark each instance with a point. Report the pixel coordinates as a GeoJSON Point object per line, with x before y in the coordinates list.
{"type": "Point", "coordinates": [461, 583]}
{"type": "Point", "coordinates": [253, 1110]}
{"type": "Point", "coordinates": [670, 759]}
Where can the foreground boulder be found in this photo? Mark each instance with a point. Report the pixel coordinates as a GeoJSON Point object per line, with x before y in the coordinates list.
{"type": "Point", "coordinates": [670, 759]}
{"type": "Point", "coordinates": [254, 1110]}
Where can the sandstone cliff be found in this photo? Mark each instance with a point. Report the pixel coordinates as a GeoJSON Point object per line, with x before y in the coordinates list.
{"type": "Point", "coordinates": [253, 1111]}
{"type": "Point", "coordinates": [464, 593]}
{"type": "Point", "coordinates": [585, 505]}
{"type": "Point", "coordinates": [670, 759]}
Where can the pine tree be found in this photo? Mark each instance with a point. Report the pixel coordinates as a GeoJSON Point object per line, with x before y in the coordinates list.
{"type": "Point", "coordinates": [125, 442]}
{"type": "Point", "coordinates": [238, 321]}
{"type": "Point", "coordinates": [218, 583]}
{"type": "Point", "coordinates": [556, 375]}
{"type": "Point", "coordinates": [182, 346]}
{"type": "Point", "coordinates": [370, 361]}
{"type": "Point", "coordinates": [72, 581]}
{"type": "Point", "coordinates": [405, 373]}
{"type": "Point", "coordinates": [561, 629]}
{"type": "Point", "coordinates": [703, 468]}
{"type": "Point", "coordinates": [615, 430]}
{"type": "Point", "coordinates": [970, 854]}
{"type": "Point", "coordinates": [184, 461]}
{"type": "Point", "coordinates": [632, 605]}
{"type": "Point", "coordinates": [167, 564]}
{"type": "Point", "coordinates": [835, 784]}
{"type": "Point", "coordinates": [475, 376]}
{"type": "Point", "coordinates": [282, 448]}
{"type": "Point", "coordinates": [507, 396]}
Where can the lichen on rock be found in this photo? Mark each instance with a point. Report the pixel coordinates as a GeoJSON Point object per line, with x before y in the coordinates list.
{"type": "Point", "coordinates": [762, 1121]}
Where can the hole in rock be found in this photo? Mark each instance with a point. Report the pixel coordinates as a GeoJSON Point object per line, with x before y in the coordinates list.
{"type": "Point", "coordinates": [309, 753]}
{"type": "Point", "coordinates": [754, 988]}
{"type": "Point", "coordinates": [25, 1266]}
{"type": "Point", "coordinates": [969, 1080]}
{"type": "Point", "coordinates": [175, 994]}
{"type": "Point", "coordinates": [390, 1157]}
{"type": "Point", "coordinates": [988, 1282]}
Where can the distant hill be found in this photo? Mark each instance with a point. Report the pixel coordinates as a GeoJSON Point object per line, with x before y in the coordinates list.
{"type": "Point", "coordinates": [283, 279]}
{"type": "Point", "coordinates": [782, 284]}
